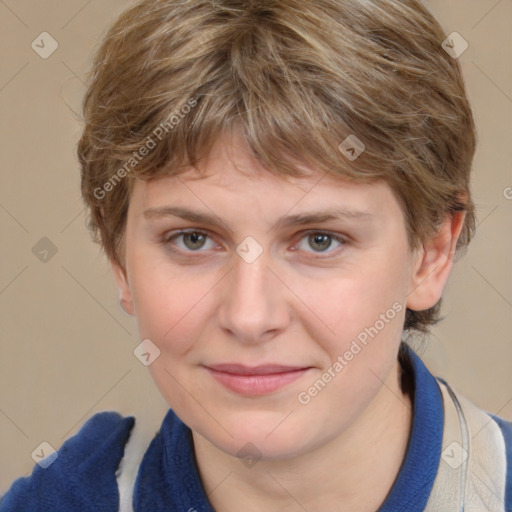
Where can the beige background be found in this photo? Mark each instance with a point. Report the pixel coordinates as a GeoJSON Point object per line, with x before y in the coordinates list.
{"type": "Point", "coordinates": [67, 346]}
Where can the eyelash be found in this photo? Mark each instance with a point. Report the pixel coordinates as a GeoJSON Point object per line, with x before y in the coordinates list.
{"type": "Point", "coordinates": [168, 238]}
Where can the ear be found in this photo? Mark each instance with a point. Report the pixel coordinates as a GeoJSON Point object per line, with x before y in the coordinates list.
{"type": "Point", "coordinates": [433, 264]}
{"type": "Point", "coordinates": [125, 294]}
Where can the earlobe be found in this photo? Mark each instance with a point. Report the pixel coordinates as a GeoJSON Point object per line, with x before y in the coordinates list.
{"type": "Point", "coordinates": [125, 294]}
{"type": "Point", "coordinates": [433, 264]}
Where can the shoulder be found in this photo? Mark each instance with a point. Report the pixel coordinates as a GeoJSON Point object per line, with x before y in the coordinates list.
{"type": "Point", "coordinates": [486, 429]}
{"type": "Point", "coordinates": [478, 444]}
{"type": "Point", "coordinates": [506, 429]}
{"type": "Point", "coordinates": [82, 475]}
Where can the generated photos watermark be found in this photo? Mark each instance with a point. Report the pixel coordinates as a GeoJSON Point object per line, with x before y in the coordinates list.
{"type": "Point", "coordinates": [137, 156]}
{"type": "Point", "coordinates": [146, 352]}
{"type": "Point", "coordinates": [357, 345]}
{"type": "Point", "coordinates": [44, 455]}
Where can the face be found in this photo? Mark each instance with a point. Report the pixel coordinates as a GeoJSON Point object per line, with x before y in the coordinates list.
{"type": "Point", "coordinates": [277, 304]}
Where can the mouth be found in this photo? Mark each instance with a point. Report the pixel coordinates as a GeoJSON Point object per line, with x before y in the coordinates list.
{"type": "Point", "coordinates": [256, 380]}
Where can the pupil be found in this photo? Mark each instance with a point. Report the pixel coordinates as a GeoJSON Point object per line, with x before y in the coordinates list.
{"type": "Point", "coordinates": [323, 241]}
{"type": "Point", "coordinates": [195, 238]}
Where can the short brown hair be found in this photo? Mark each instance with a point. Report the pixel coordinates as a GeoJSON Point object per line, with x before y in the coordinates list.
{"type": "Point", "coordinates": [296, 78]}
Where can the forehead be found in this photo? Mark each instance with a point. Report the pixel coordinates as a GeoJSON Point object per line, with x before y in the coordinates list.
{"type": "Point", "coordinates": [231, 172]}
{"type": "Point", "coordinates": [230, 163]}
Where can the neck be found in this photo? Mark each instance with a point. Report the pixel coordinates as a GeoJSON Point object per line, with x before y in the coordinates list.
{"type": "Point", "coordinates": [355, 471]}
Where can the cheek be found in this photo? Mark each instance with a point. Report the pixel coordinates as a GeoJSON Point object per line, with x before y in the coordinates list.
{"type": "Point", "coordinates": [365, 315]}
{"type": "Point", "coordinates": [169, 304]}
{"type": "Point", "coordinates": [345, 306]}
{"type": "Point", "coordinates": [171, 310]}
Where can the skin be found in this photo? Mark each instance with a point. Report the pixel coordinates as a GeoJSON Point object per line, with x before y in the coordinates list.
{"type": "Point", "coordinates": [299, 303]}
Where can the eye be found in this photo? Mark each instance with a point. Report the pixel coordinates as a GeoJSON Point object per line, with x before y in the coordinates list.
{"type": "Point", "coordinates": [192, 241]}
{"type": "Point", "coordinates": [320, 241]}
{"type": "Point", "coordinates": [197, 241]}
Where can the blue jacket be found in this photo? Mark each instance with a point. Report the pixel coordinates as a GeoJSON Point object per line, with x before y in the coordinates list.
{"type": "Point", "coordinates": [459, 458]}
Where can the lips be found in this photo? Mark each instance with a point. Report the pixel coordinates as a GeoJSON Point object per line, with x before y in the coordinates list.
{"type": "Point", "coordinates": [255, 380]}
{"type": "Point", "coordinates": [268, 369]}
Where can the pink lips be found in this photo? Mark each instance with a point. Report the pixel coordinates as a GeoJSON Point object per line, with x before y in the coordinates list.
{"type": "Point", "coordinates": [255, 381]}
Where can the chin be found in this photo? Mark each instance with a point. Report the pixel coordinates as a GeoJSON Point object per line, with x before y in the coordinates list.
{"type": "Point", "coordinates": [258, 435]}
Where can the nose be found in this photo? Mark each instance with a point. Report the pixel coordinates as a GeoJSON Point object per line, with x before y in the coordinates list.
{"type": "Point", "coordinates": [254, 305]}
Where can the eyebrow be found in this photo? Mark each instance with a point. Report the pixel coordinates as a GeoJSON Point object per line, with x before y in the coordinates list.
{"type": "Point", "coordinates": [282, 222]}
